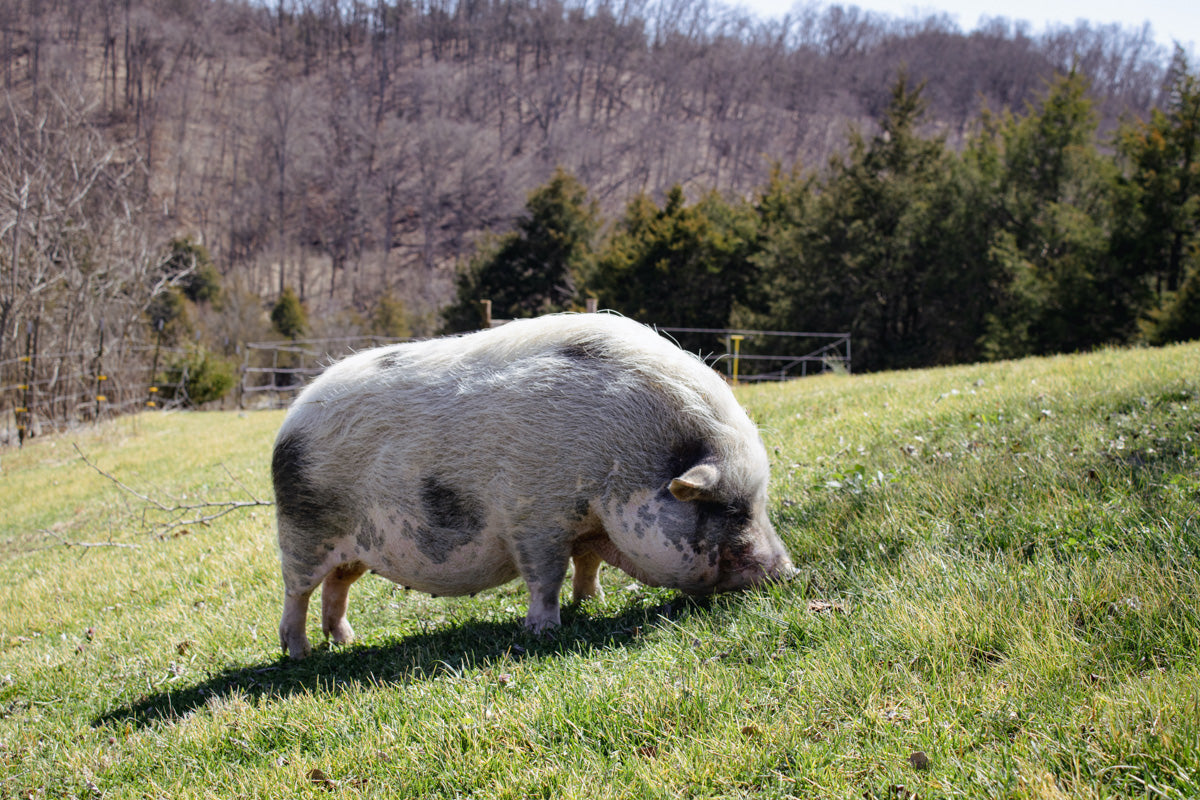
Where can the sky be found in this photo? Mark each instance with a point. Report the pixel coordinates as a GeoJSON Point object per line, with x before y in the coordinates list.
{"type": "Point", "coordinates": [1170, 19]}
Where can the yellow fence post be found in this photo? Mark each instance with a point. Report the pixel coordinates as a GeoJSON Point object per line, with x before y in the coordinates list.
{"type": "Point", "coordinates": [737, 346]}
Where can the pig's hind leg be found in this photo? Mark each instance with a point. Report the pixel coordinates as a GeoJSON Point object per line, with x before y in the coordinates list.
{"type": "Point", "coordinates": [585, 582]}
{"type": "Point", "coordinates": [300, 580]}
{"type": "Point", "coordinates": [335, 598]}
{"type": "Point", "coordinates": [544, 568]}
{"type": "Point", "coordinates": [292, 637]}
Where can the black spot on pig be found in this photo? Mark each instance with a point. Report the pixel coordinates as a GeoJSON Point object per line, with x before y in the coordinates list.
{"type": "Point", "coordinates": [684, 455]}
{"type": "Point", "coordinates": [369, 536]}
{"type": "Point", "coordinates": [453, 518]}
{"type": "Point", "coordinates": [722, 527]}
{"type": "Point", "coordinates": [583, 508]}
{"type": "Point", "coordinates": [389, 360]}
{"type": "Point", "coordinates": [312, 511]}
{"type": "Point", "coordinates": [732, 516]}
{"type": "Point", "coordinates": [301, 500]}
{"type": "Point", "coordinates": [287, 472]}
{"type": "Point", "coordinates": [580, 510]}
{"type": "Point", "coordinates": [646, 518]}
{"type": "Point", "coordinates": [447, 508]}
{"type": "Point", "coordinates": [583, 352]}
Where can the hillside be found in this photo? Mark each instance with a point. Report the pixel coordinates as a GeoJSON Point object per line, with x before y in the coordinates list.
{"type": "Point", "coordinates": [178, 178]}
{"type": "Point", "coordinates": [344, 149]}
{"type": "Point", "coordinates": [999, 597]}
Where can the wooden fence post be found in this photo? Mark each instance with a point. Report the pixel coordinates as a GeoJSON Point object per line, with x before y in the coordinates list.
{"type": "Point", "coordinates": [241, 398]}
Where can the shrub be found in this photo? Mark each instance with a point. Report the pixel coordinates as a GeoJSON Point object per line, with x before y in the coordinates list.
{"type": "Point", "coordinates": [168, 314]}
{"type": "Point", "coordinates": [196, 377]}
{"type": "Point", "coordinates": [192, 265]}
{"type": "Point", "coordinates": [288, 315]}
{"type": "Point", "coordinates": [389, 318]}
{"type": "Point", "coordinates": [1179, 320]}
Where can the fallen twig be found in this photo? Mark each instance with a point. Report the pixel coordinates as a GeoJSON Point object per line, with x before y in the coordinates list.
{"type": "Point", "coordinates": [64, 542]}
{"type": "Point", "coordinates": [182, 514]}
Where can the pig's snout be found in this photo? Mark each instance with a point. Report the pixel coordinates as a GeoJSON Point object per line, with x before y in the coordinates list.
{"type": "Point", "coordinates": [758, 568]}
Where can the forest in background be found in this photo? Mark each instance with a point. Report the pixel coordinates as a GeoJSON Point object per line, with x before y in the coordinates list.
{"type": "Point", "coordinates": [212, 172]}
{"type": "Point", "coordinates": [1028, 240]}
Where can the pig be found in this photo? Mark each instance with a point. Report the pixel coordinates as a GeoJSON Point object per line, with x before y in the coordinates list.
{"type": "Point", "coordinates": [454, 465]}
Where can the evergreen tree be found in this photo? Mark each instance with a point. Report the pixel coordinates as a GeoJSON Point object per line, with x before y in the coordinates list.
{"type": "Point", "coordinates": [1180, 320]}
{"type": "Point", "coordinates": [680, 266]}
{"type": "Point", "coordinates": [788, 293]}
{"type": "Point", "coordinates": [168, 317]}
{"type": "Point", "coordinates": [288, 316]}
{"type": "Point", "coordinates": [1157, 225]}
{"type": "Point", "coordinates": [880, 213]}
{"type": "Point", "coordinates": [880, 247]}
{"type": "Point", "coordinates": [536, 268]}
{"type": "Point", "coordinates": [1062, 291]}
{"type": "Point", "coordinates": [197, 277]}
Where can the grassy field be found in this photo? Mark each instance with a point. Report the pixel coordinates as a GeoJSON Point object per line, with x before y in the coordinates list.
{"type": "Point", "coordinates": [999, 597]}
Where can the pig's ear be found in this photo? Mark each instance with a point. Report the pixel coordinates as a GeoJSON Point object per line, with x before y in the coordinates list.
{"type": "Point", "coordinates": [697, 483]}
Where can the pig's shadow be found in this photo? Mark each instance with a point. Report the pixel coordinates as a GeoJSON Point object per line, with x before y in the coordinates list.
{"type": "Point", "coordinates": [419, 657]}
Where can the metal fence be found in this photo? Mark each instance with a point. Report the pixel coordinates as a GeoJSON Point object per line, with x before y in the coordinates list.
{"type": "Point", "coordinates": [272, 373]}
{"type": "Point", "coordinates": [752, 355]}
{"type": "Point", "coordinates": [42, 392]}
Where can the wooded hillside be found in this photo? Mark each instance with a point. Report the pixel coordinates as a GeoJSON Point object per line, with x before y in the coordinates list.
{"type": "Point", "coordinates": [355, 152]}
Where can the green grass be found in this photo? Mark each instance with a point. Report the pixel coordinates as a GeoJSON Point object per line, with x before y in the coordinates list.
{"type": "Point", "coordinates": [1000, 568]}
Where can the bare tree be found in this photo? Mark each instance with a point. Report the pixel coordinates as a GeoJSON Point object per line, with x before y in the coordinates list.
{"type": "Point", "coordinates": [283, 136]}
{"type": "Point", "coordinates": [78, 247]}
{"type": "Point", "coordinates": [311, 140]}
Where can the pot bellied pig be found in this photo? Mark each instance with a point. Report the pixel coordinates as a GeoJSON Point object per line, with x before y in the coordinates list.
{"type": "Point", "coordinates": [456, 464]}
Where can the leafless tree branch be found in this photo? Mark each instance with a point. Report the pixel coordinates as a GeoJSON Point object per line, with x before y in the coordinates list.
{"type": "Point", "coordinates": [65, 542]}
{"type": "Point", "coordinates": [179, 515]}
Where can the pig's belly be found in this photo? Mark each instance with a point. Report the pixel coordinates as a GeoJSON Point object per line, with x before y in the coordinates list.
{"type": "Point", "coordinates": [440, 562]}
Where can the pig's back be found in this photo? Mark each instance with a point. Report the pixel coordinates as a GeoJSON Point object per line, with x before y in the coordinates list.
{"type": "Point", "coordinates": [552, 401]}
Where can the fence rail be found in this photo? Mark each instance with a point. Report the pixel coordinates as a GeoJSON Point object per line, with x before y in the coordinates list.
{"type": "Point", "coordinates": [41, 392]}
{"type": "Point", "coordinates": [833, 354]}
{"type": "Point", "coordinates": [277, 371]}
{"type": "Point", "coordinates": [280, 368]}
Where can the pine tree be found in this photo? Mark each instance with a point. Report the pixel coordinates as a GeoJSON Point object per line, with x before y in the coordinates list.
{"type": "Point", "coordinates": [288, 315]}
{"type": "Point", "coordinates": [883, 253]}
{"type": "Point", "coordinates": [680, 265]}
{"type": "Point", "coordinates": [1061, 290]}
{"type": "Point", "coordinates": [536, 268]}
{"type": "Point", "coordinates": [1157, 224]}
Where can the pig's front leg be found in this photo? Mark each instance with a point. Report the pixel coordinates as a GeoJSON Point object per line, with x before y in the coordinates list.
{"type": "Point", "coordinates": [543, 565]}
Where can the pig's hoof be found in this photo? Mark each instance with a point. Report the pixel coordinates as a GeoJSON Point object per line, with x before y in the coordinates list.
{"type": "Point", "coordinates": [341, 633]}
{"type": "Point", "coordinates": [542, 627]}
{"type": "Point", "coordinates": [297, 650]}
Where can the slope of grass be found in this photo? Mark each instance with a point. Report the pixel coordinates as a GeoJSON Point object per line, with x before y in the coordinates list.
{"type": "Point", "coordinates": [999, 597]}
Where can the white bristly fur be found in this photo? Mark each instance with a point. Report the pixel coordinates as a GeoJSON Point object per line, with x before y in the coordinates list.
{"type": "Point", "coordinates": [549, 435]}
